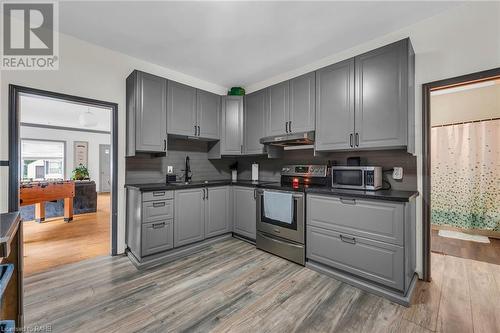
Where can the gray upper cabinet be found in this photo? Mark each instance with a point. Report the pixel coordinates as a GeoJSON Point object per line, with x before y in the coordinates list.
{"type": "Point", "coordinates": [208, 114]}
{"type": "Point", "coordinates": [244, 211]}
{"type": "Point", "coordinates": [146, 113]}
{"type": "Point", "coordinates": [302, 103]}
{"type": "Point", "coordinates": [382, 97]}
{"type": "Point", "coordinates": [278, 112]}
{"type": "Point", "coordinates": [254, 114]}
{"type": "Point", "coordinates": [217, 217]}
{"type": "Point", "coordinates": [181, 109]}
{"type": "Point", "coordinates": [335, 106]}
{"type": "Point", "coordinates": [231, 141]}
{"type": "Point", "coordinates": [189, 226]}
{"type": "Point", "coordinates": [367, 102]}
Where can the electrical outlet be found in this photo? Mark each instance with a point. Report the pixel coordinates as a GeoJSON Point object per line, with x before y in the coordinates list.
{"type": "Point", "coordinates": [170, 169]}
{"type": "Point", "coordinates": [397, 173]}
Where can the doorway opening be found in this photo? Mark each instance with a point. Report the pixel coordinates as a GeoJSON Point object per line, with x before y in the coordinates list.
{"type": "Point", "coordinates": [461, 156]}
{"type": "Point", "coordinates": [63, 156]}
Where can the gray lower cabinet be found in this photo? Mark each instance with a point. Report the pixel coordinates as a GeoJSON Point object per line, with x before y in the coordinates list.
{"type": "Point", "coordinates": [217, 211]}
{"type": "Point", "coordinates": [189, 226]}
{"type": "Point", "coordinates": [254, 120]}
{"type": "Point", "coordinates": [149, 222]}
{"type": "Point", "coordinates": [181, 109]}
{"type": "Point", "coordinates": [368, 239]}
{"type": "Point", "coordinates": [244, 211]}
{"type": "Point", "coordinates": [146, 113]}
{"type": "Point", "coordinates": [157, 237]}
{"type": "Point", "coordinates": [231, 140]}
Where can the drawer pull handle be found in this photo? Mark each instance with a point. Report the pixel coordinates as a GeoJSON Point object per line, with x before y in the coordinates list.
{"type": "Point", "coordinates": [158, 194]}
{"type": "Point", "coordinates": [348, 201]}
{"type": "Point", "coordinates": [158, 225]}
{"type": "Point", "coordinates": [158, 204]}
{"type": "Point", "coordinates": [347, 239]}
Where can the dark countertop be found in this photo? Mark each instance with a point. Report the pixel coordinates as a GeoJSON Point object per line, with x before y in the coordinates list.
{"type": "Point", "coordinates": [194, 184]}
{"type": "Point", "coordinates": [388, 195]}
{"type": "Point", "coordinates": [9, 223]}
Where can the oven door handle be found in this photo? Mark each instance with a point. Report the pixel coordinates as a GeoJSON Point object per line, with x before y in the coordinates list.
{"type": "Point", "coordinates": [278, 240]}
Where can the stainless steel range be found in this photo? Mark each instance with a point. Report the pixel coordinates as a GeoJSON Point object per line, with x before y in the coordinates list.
{"type": "Point", "coordinates": [281, 211]}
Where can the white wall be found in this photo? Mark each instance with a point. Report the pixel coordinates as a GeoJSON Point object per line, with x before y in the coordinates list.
{"type": "Point", "coordinates": [94, 140]}
{"type": "Point", "coordinates": [460, 41]}
{"type": "Point", "coordinates": [90, 71]}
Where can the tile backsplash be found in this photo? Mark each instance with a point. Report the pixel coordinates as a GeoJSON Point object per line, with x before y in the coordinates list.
{"type": "Point", "coordinates": [154, 170]}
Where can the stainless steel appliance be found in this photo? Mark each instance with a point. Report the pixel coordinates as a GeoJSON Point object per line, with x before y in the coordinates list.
{"type": "Point", "coordinates": [357, 177]}
{"type": "Point", "coordinates": [281, 211]}
{"type": "Point", "coordinates": [287, 140]}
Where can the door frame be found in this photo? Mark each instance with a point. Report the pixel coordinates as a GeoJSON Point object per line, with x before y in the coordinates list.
{"type": "Point", "coordinates": [100, 163]}
{"type": "Point", "coordinates": [426, 149]}
{"type": "Point", "coordinates": [14, 142]}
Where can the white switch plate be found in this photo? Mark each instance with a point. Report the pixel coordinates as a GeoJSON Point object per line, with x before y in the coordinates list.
{"type": "Point", "coordinates": [397, 173]}
{"type": "Point", "coordinates": [170, 169]}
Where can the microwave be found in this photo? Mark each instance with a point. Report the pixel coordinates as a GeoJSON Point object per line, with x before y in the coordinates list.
{"type": "Point", "coordinates": [357, 177]}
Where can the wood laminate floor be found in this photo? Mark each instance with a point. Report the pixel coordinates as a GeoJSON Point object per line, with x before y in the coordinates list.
{"type": "Point", "coordinates": [54, 242]}
{"type": "Point", "coordinates": [466, 249]}
{"type": "Point", "coordinates": [233, 287]}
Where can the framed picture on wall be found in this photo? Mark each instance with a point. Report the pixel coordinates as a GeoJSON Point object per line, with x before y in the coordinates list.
{"type": "Point", "coordinates": [81, 153]}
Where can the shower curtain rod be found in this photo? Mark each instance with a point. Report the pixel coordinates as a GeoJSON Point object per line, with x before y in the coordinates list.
{"type": "Point", "coordinates": [466, 122]}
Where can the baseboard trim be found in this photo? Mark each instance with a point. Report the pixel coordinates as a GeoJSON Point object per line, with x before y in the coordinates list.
{"type": "Point", "coordinates": [482, 232]}
{"type": "Point", "coordinates": [172, 255]}
{"type": "Point", "coordinates": [392, 295]}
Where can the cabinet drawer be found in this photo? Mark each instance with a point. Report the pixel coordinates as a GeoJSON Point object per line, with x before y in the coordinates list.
{"type": "Point", "coordinates": [157, 195]}
{"type": "Point", "coordinates": [378, 220]}
{"type": "Point", "coordinates": [157, 210]}
{"type": "Point", "coordinates": [376, 261]}
{"type": "Point", "coordinates": [156, 237]}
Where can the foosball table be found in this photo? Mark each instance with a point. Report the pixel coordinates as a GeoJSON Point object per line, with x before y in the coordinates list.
{"type": "Point", "coordinates": [38, 192]}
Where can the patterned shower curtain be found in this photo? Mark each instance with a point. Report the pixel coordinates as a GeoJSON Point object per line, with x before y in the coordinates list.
{"type": "Point", "coordinates": [465, 175]}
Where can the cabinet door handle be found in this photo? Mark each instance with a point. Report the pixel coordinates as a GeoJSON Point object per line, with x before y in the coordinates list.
{"type": "Point", "coordinates": [347, 239]}
{"type": "Point", "coordinates": [290, 126]}
{"type": "Point", "coordinates": [158, 194]}
{"type": "Point", "coordinates": [158, 225]}
{"type": "Point", "coordinates": [357, 139]}
{"type": "Point", "coordinates": [198, 130]}
{"type": "Point", "coordinates": [286, 126]}
{"type": "Point", "coordinates": [158, 204]}
{"type": "Point", "coordinates": [255, 193]}
{"type": "Point", "coordinates": [350, 139]}
{"type": "Point", "coordinates": [195, 130]}
{"type": "Point", "coordinates": [207, 193]}
{"type": "Point", "coordinates": [164, 144]}
{"type": "Point", "coordinates": [348, 201]}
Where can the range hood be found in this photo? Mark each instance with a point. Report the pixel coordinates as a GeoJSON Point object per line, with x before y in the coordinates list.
{"type": "Point", "coordinates": [290, 140]}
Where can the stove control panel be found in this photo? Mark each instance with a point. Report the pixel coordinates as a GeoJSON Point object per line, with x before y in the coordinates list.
{"type": "Point", "coordinates": [304, 170]}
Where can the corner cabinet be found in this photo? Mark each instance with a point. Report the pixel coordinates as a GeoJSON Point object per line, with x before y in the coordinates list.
{"type": "Point", "coordinates": [254, 121]}
{"type": "Point", "coordinates": [245, 211]}
{"type": "Point", "coordinates": [146, 113]}
{"type": "Point", "coordinates": [231, 140]}
{"type": "Point", "coordinates": [367, 102]}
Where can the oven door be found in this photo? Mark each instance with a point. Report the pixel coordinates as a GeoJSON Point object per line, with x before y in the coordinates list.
{"type": "Point", "coordinates": [290, 229]}
{"type": "Point", "coordinates": [352, 178]}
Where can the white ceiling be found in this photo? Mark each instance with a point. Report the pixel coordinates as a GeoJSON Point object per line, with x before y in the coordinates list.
{"type": "Point", "coordinates": [47, 111]}
{"type": "Point", "coordinates": [237, 43]}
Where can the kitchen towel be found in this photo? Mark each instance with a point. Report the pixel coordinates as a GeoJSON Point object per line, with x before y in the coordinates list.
{"type": "Point", "coordinates": [278, 206]}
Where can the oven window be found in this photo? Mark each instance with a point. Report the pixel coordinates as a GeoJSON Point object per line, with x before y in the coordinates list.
{"type": "Point", "coordinates": [349, 177]}
{"type": "Point", "coordinates": [292, 225]}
